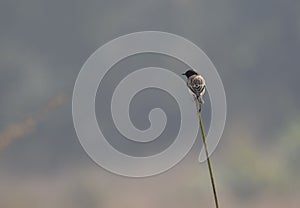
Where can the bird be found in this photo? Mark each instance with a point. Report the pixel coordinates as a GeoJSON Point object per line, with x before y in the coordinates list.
{"type": "Point", "coordinates": [196, 84]}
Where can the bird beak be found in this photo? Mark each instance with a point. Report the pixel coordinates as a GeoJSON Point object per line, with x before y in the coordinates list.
{"type": "Point", "coordinates": [183, 74]}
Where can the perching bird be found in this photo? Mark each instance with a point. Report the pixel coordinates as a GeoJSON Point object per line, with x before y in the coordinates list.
{"type": "Point", "coordinates": [196, 84]}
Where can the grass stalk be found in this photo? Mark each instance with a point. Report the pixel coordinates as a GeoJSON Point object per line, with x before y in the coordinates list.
{"type": "Point", "coordinates": [208, 161]}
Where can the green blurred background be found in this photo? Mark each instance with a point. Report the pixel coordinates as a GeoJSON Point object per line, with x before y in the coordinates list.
{"type": "Point", "coordinates": [255, 45]}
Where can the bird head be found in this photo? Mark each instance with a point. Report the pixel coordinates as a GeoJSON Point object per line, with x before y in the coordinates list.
{"type": "Point", "coordinates": [190, 73]}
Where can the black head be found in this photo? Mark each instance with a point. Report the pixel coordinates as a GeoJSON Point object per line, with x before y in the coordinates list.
{"type": "Point", "coordinates": [190, 72]}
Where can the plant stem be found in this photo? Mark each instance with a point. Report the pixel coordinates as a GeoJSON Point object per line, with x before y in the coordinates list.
{"type": "Point", "coordinates": [208, 161]}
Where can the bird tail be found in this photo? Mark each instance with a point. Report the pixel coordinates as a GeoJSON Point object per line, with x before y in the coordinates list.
{"type": "Point", "coordinates": [200, 102]}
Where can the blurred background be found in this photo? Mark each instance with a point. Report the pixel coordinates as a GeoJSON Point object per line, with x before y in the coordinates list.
{"type": "Point", "coordinates": [255, 45]}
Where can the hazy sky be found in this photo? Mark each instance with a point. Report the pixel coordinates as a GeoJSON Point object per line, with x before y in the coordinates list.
{"type": "Point", "coordinates": [255, 45]}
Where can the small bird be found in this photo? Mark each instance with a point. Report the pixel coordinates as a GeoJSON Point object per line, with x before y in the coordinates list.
{"type": "Point", "coordinates": [196, 84]}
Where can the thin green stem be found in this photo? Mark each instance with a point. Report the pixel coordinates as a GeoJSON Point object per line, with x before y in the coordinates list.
{"type": "Point", "coordinates": [208, 161]}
